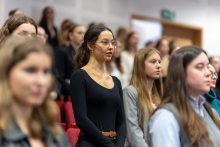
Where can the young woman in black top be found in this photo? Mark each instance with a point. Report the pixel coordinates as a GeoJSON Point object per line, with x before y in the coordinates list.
{"type": "Point", "coordinates": [97, 97]}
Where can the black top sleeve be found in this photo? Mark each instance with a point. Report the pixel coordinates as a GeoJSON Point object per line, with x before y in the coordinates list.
{"type": "Point", "coordinates": [78, 95]}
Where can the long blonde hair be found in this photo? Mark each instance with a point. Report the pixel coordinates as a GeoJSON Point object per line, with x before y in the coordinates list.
{"type": "Point", "coordinates": [139, 79]}
{"type": "Point", "coordinates": [13, 51]}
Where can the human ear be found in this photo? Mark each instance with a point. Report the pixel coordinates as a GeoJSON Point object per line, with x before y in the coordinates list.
{"type": "Point", "coordinates": [90, 46]}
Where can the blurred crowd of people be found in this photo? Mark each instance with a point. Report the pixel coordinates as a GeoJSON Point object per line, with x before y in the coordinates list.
{"type": "Point", "coordinates": [30, 69]}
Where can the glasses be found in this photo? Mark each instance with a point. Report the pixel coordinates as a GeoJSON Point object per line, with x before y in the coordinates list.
{"type": "Point", "coordinates": [26, 34]}
{"type": "Point", "coordinates": [107, 43]}
{"type": "Point", "coordinates": [43, 35]}
{"type": "Point", "coordinates": [212, 74]}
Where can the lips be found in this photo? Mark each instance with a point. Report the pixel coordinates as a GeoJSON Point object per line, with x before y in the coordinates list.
{"type": "Point", "coordinates": [207, 82]}
{"type": "Point", "coordinates": [158, 72]}
{"type": "Point", "coordinates": [37, 94]}
{"type": "Point", "coordinates": [109, 54]}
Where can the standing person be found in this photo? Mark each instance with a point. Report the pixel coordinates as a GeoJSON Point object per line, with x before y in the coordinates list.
{"type": "Point", "coordinates": [16, 12]}
{"type": "Point", "coordinates": [64, 57]}
{"type": "Point", "coordinates": [163, 46]}
{"type": "Point", "coordinates": [27, 113]}
{"type": "Point", "coordinates": [115, 67]}
{"type": "Point", "coordinates": [64, 33]}
{"type": "Point", "coordinates": [215, 62]}
{"type": "Point", "coordinates": [184, 118]}
{"type": "Point", "coordinates": [142, 96]}
{"type": "Point", "coordinates": [47, 23]}
{"type": "Point", "coordinates": [97, 97]}
{"type": "Point", "coordinates": [122, 35]}
{"type": "Point", "coordinates": [128, 54]}
{"type": "Point", "coordinates": [18, 25]}
{"type": "Point", "coordinates": [213, 96]}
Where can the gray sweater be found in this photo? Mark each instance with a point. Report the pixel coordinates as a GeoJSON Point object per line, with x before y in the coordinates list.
{"type": "Point", "coordinates": [135, 136]}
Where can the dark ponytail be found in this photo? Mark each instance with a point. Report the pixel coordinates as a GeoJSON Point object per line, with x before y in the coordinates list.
{"type": "Point", "coordinates": [83, 53]}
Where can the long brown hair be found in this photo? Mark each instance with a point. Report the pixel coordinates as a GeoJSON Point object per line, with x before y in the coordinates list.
{"type": "Point", "coordinates": [139, 79]}
{"type": "Point", "coordinates": [12, 23]}
{"type": "Point", "coordinates": [13, 51]}
{"type": "Point", "coordinates": [176, 91]}
{"type": "Point", "coordinates": [44, 18]}
{"type": "Point", "coordinates": [83, 54]}
{"type": "Point", "coordinates": [128, 39]}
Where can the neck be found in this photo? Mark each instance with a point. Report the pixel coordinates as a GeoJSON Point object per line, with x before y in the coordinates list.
{"type": "Point", "coordinates": [22, 114]}
{"type": "Point", "coordinates": [132, 49]}
{"type": "Point", "coordinates": [194, 95]}
{"type": "Point", "coordinates": [98, 65]}
{"type": "Point", "coordinates": [150, 84]}
{"type": "Point", "coordinates": [74, 45]}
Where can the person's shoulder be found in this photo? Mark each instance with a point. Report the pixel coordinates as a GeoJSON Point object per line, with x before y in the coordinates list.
{"type": "Point", "coordinates": [62, 138]}
{"type": "Point", "coordinates": [77, 72]}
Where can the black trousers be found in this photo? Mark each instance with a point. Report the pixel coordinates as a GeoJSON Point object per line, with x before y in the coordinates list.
{"type": "Point", "coordinates": [85, 142]}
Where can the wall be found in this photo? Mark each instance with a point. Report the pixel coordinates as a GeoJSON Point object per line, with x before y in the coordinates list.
{"type": "Point", "coordinates": [116, 13]}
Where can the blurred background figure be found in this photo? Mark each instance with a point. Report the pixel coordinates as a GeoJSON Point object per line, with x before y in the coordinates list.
{"type": "Point", "coordinates": [27, 113]}
{"type": "Point", "coordinates": [18, 25]}
{"type": "Point", "coordinates": [150, 44]}
{"type": "Point", "coordinates": [122, 35]}
{"type": "Point", "coordinates": [92, 24]}
{"type": "Point", "coordinates": [128, 54]}
{"type": "Point", "coordinates": [115, 67]}
{"type": "Point", "coordinates": [64, 56]}
{"type": "Point", "coordinates": [16, 11]}
{"type": "Point", "coordinates": [64, 32]}
{"type": "Point", "coordinates": [42, 34]}
{"type": "Point", "coordinates": [172, 50]}
{"type": "Point", "coordinates": [47, 23]}
{"type": "Point", "coordinates": [163, 46]}
{"type": "Point", "coordinates": [173, 43]}
{"type": "Point", "coordinates": [215, 62]}
{"type": "Point", "coordinates": [213, 97]}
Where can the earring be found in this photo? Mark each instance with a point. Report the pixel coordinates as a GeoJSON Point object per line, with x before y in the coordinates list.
{"type": "Point", "coordinates": [92, 50]}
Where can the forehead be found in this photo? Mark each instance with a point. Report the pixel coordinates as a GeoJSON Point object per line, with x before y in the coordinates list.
{"type": "Point", "coordinates": [27, 27]}
{"type": "Point", "coordinates": [201, 58]}
{"type": "Point", "coordinates": [211, 68]}
{"type": "Point", "coordinates": [105, 35]}
{"type": "Point", "coordinates": [153, 55]}
{"type": "Point", "coordinates": [41, 30]}
{"type": "Point", "coordinates": [80, 28]}
{"type": "Point", "coordinates": [33, 59]}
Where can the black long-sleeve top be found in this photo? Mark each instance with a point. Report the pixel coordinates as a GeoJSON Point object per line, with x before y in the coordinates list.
{"type": "Point", "coordinates": [65, 65]}
{"type": "Point", "coordinates": [98, 109]}
{"type": "Point", "coordinates": [52, 41]}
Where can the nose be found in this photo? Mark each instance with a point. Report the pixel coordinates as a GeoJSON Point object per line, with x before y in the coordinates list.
{"type": "Point", "coordinates": [158, 65]}
{"type": "Point", "coordinates": [207, 72]}
{"type": "Point", "coordinates": [41, 79]}
{"type": "Point", "coordinates": [111, 46]}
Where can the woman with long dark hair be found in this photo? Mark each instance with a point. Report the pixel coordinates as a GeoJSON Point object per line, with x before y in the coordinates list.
{"type": "Point", "coordinates": [184, 118]}
{"type": "Point", "coordinates": [142, 96]}
{"type": "Point", "coordinates": [47, 23]}
{"type": "Point", "coordinates": [96, 96]}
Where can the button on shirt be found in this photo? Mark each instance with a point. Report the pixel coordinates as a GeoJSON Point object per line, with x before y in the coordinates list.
{"type": "Point", "coordinates": [164, 128]}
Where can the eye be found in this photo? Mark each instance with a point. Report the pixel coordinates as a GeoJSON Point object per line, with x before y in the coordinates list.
{"type": "Point", "coordinates": [30, 69]}
{"type": "Point", "coordinates": [199, 67]}
{"type": "Point", "coordinates": [46, 71]}
{"type": "Point", "coordinates": [153, 61]}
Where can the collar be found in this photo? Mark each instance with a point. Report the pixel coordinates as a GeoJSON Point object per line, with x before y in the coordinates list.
{"type": "Point", "coordinates": [198, 107]}
{"type": "Point", "coordinates": [211, 95]}
{"type": "Point", "coordinates": [14, 133]}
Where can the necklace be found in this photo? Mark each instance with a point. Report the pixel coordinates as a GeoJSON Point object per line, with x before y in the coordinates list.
{"type": "Point", "coordinates": [97, 70]}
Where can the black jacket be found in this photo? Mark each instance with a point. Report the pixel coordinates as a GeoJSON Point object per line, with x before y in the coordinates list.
{"type": "Point", "coordinates": [52, 41]}
{"type": "Point", "coordinates": [65, 65]}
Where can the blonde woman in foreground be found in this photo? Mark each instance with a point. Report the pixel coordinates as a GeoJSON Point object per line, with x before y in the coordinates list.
{"type": "Point", "coordinates": [27, 113]}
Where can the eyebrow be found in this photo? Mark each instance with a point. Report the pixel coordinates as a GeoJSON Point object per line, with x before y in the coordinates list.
{"type": "Point", "coordinates": [108, 39]}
